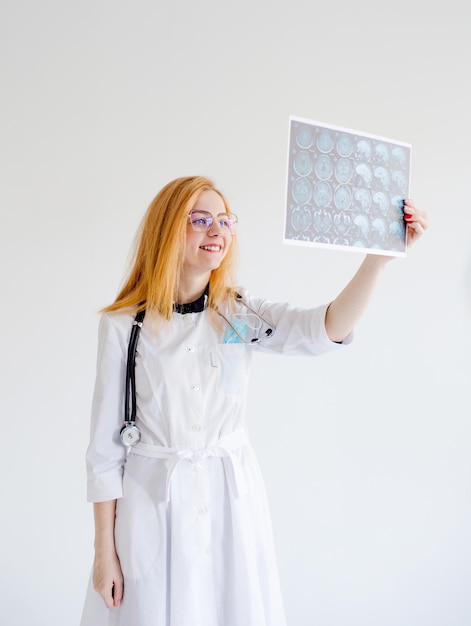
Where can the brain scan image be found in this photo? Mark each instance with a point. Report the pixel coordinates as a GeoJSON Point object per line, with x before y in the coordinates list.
{"type": "Point", "coordinates": [346, 188]}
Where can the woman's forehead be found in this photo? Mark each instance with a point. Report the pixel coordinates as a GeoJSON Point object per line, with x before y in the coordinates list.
{"type": "Point", "coordinates": [211, 202]}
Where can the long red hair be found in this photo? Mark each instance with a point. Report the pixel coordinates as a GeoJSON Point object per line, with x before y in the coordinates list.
{"type": "Point", "coordinates": [152, 283]}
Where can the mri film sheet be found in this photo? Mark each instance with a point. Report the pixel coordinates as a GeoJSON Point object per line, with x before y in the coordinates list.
{"type": "Point", "coordinates": [346, 189]}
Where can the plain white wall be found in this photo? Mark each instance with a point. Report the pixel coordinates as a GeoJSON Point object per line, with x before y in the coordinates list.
{"type": "Point", "coordinates": [365, 453]}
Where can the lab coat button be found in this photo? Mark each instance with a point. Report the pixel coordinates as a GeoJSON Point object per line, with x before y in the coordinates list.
{"type": "Point", "coordinates": [202, 510]}
{"type": "Point", "coordinates": [195, 387]}
{"type": "Point", "coordinates": [196, 428]}
{"type": "Point", "coordinates": [190, 349]}
{"type": "Point", "coordinates": [198, 467]}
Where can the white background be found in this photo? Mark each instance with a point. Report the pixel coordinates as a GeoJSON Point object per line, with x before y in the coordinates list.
{"type": "Point", "coordinates": [366, 453]}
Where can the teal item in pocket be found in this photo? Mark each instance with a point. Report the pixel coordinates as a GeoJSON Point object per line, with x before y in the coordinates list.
{"type": "Point", "coordinates": [231, 336]}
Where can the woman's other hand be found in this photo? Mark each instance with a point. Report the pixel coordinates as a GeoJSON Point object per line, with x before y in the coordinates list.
{"type": "Point", "coordinates": [108, 578]}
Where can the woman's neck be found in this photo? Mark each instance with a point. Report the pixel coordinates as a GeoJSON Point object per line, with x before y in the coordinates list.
{"type": "Point", "coordinates": [191, 290]}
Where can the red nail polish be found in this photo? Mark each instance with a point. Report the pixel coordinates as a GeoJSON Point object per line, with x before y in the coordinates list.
{"type": "Point", "coordinates": [407, 216]}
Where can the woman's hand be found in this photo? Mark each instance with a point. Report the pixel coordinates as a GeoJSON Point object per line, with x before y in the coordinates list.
{"type": "Point", "coordinates": [108, 578]}
{"type": "Point", "coordinates": [416, 221]}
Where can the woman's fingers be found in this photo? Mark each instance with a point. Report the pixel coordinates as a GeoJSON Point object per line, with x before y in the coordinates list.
{"type": "Point", "coordinates": [108, 580]}
{"type": "Point", "coordinates": [118, 591]}
{"type": "Point", "coordinates": [105, 589]}
{"type": "Point", "coordinates": [416, 221]}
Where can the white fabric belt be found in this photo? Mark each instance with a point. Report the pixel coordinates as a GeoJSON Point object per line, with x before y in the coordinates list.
{"type": "Point", "coordinates": [225, 448]}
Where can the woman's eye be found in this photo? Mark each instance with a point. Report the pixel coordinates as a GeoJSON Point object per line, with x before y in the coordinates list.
{"type": "Point", "coordinates": [200, 221]}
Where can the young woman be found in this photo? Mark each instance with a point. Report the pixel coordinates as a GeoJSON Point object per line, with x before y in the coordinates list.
{"type": "Point", "coordinates": [183, 535]}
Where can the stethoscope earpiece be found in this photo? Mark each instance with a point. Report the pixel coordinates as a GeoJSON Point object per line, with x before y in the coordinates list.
{"type": "Point", "coordinates": [270, 327]}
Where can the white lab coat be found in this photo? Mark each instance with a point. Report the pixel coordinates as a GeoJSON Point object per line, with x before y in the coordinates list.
{"type": "Point", "coordinates": [193, 530]}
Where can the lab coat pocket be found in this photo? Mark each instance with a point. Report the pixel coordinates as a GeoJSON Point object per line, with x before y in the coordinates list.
{"type": "Point", "coordinates": [140, 516]}
{"type": "Point", "coordinates": [232, 364]}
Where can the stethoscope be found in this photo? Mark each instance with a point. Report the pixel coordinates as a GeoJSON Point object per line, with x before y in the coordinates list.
{"type": "Point", "coordinates": [130, 433]}
{"type": "Point", "coordinates": [257, 327]}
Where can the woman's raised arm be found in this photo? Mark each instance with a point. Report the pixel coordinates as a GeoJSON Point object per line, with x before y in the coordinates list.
{"type": "Point", "coordinates": [348, 307]}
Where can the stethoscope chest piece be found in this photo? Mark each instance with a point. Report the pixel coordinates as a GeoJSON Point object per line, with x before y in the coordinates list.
{"type": "Point", "coordinates": [130, 434]}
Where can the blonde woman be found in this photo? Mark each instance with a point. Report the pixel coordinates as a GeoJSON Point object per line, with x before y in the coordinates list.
{"type": "Point", "coordinates": [182, 529]}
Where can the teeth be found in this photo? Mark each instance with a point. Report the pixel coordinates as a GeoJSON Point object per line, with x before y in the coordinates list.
{"type": "Point", "coordinates": [212, 248]}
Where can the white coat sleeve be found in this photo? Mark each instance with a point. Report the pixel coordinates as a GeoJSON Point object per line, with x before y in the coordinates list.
{"type": "Point", "coordinates": [298, 331]}
{"type": "Point", "coordinates": [106, 454]}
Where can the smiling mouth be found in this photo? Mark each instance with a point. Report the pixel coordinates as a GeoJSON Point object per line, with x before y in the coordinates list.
{"type": "Point", "coordinates": [211, 248]}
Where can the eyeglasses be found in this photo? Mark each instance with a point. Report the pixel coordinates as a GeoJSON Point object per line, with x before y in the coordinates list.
{"type": "Point", "coordinates": [201, 221]}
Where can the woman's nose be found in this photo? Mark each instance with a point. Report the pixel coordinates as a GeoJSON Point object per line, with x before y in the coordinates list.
{"type": "Point", "coordinates": [215, 228]}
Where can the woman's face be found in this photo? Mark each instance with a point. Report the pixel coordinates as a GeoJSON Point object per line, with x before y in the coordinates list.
{"type": "Point", "coordinates": [204, 251]}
